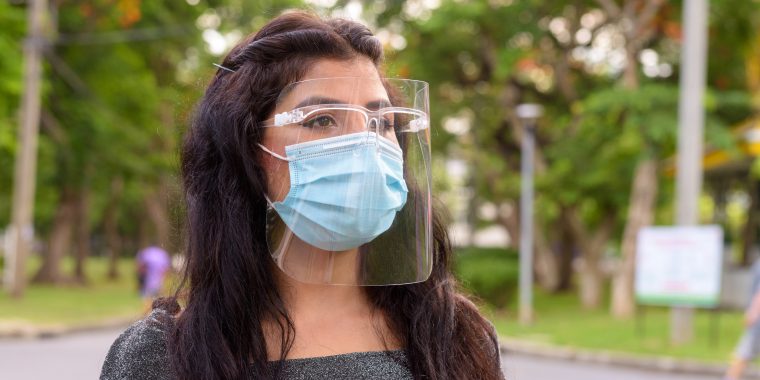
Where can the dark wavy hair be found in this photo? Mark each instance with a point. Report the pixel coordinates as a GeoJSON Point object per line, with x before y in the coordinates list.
{"type": "Point", "coordinates": [228, 274]}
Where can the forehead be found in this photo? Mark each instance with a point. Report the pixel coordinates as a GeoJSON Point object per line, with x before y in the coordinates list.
{"type": "Point", "coordinates": [354, 82]}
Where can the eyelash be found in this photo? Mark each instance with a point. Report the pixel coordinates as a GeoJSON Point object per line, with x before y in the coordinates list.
{"type": "Point", "coordinates": [310, 123]}
{"type": "Point", "coordinates": [387, 124]}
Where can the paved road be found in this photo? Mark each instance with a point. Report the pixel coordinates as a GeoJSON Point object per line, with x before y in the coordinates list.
{"type": "Point", "coordinates": [79, 356]}
{"type": "Point", "coordinates": [521, 367]}
{"type": "Point", "coordinates": [75, 356]}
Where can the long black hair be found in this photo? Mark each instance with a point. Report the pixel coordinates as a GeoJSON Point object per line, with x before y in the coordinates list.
{"type": "Point", "coordinates": [230, 286]}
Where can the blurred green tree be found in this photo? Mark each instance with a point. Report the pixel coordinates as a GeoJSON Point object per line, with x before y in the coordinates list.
{"type": "Point", "coordinates": [109, 118]}
{"type": "Point", "coordinates": [606, 73]}
{"type": "Point", "coordinates": [121, 79]}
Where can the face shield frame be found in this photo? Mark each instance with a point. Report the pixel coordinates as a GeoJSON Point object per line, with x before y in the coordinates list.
{"type": "Point", "coordinates": [401, 253]}
{"type": "Point", "coordinates": [306, 114]}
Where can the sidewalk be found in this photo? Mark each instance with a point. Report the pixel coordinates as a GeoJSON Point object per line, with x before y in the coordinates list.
{"type": "Point", "coordinates": [10, 329]}
{"type": "Point", "coordinates": [612, 358]}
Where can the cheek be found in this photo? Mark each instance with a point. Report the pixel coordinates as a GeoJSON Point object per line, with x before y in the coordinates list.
{"type": "Point", "coordinates": [278, 177]}
{"type": "Point", "coordinates": [392, 137]}
{"type": "Point", "coordinates": [276, 170]}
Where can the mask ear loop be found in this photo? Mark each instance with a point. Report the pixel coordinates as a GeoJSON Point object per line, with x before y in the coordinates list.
{"type": "Point", "coordinates": [274, 154]}
{"type": "Point", "coordinates": [282, 250]}
{"type": "Point", "coordinates": [289, 234]}
{"type": "Point", "coordinates": [269, 201]}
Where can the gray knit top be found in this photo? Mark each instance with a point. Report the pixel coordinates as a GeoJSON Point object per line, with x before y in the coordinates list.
{"type": "Point", "coordinates": [140, 354]}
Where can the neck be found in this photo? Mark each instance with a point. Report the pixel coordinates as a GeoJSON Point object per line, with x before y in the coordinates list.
{"type": "Point", "coordinates": [304, 300]}
{"type": "Point", "coordinates": [329, 320]}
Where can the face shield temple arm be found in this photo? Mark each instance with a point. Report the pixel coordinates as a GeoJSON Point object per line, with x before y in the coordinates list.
{"type": "Point", "coordinates": [417, 124]}
{"type": "Point", "coordinates": [299, 114]}
{"type": "Point", "coordinates": [286, 118]}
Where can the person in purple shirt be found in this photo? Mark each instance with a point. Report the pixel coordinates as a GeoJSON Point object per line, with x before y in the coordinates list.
{"type": "Point", "coordinates": [152, 264]}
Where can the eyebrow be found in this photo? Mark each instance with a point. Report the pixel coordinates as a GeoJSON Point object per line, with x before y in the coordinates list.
{"type": "Point", "coordinates": [377, 104]}
{"type": "Point", "coordinates": [315, 100]}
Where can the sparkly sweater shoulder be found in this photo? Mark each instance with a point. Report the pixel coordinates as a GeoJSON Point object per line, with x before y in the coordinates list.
{"type": "Point", "coordinates": [141, 353]}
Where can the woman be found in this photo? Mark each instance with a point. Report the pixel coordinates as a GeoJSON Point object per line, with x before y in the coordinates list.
{"type": "Point", "coordinates": [313, 249]}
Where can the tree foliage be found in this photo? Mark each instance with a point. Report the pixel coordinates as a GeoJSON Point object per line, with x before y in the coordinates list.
{"type": "Point", "coordinates": [11, 39]}
{"type": "Point", "coordinates": [120, 81]}
{"type": "Point", "coordinates": [121, 77]}
{"type": "Point", "coordinates": [606, 73]}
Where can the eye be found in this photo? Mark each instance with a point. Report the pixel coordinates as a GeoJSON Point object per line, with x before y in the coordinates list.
{"type": "Point", "coordinates": [323, 121]}
{"type": "Point", "coordinates": [387, 123]}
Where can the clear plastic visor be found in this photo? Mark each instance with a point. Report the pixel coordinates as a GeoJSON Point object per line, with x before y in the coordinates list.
{"type": "Point", "coordinates": [348, 176]}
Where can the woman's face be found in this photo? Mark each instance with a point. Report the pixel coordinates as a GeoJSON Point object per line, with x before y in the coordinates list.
{"type": "Point", "coordinates": [369, 93]}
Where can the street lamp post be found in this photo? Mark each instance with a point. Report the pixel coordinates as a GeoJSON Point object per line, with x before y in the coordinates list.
{"type": "Point", "coordinates": [528, 115]}
{"type": "Point", "coordinates": [690, 135]}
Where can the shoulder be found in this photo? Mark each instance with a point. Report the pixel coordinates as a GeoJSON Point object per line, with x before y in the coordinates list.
{"type": "Point", "coordinates": [140, 352]}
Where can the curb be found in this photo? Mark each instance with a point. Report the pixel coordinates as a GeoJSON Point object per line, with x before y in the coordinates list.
{"type": "Point", "coordinates": [613, 358]}
{"type": "Point", "coordinates": [26, 330]}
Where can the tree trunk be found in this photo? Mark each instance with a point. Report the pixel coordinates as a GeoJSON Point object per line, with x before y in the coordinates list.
{"type": "Point", "coordinates": [59, 241]}
{"type": "Point", "coordinates": [644, 187]}
{"type": "Point", "coordinates": [545, 266]}
{"type": "Point", "coordinates": [82, 228]}
{"type": "Point", "coordinates": [509, 218]}
{"type": "Point", "coordinates": [640, 214]}
{"type": "Point", "coordinates": [566, 250]}
{"type": "Point", "coordinates": [630, 72]}
{"type": "Point", "coordinates": [592, 278]}
{"type": "Point", "coordinates": [156, 206]}
{"type": "Point", "coordinates": [110, 225]}
{"type": "Point", "coordinates": [592, 248]}
{"type": "Point", "coordinates": [591, 282]}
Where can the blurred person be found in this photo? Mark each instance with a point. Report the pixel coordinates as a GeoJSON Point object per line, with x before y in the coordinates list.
{"type": "Point", "coordinates": [313, 247]}
{"type": "Point", "coordinates": [152, 265]}
{"type": "Point", "coordinates": [748, 347]}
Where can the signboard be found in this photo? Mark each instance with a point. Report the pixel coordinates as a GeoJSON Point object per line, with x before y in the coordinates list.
{"type": "Point", "coordinates": [679, 265]}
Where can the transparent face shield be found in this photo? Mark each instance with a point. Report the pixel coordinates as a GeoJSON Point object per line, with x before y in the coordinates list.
{"type": "Point", "coordinates": [348, 175]}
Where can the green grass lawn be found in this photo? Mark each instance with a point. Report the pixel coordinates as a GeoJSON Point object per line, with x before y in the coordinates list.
{"type": "Point", "coordinates": [561, 321]}
{"type": "Point", "coordinates": [492, 274]}
{"type": "Point", "coordinates": [76, 304]}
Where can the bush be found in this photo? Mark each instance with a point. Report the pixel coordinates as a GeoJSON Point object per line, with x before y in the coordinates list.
{"type": "Point", "coordinates": [491, 274]}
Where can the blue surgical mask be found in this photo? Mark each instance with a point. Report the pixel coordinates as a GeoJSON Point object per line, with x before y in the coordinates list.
{"type": "Point", "coordinates": [344, 191]}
